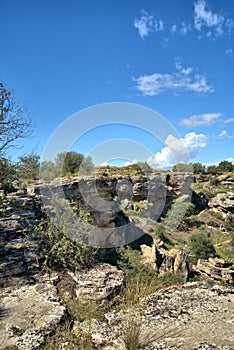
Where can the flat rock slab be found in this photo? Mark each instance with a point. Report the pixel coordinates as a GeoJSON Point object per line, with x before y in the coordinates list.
{"type": "Point", "coordinates": [28, 314]}
{"type": "Point", "coordinates": [189, 317]}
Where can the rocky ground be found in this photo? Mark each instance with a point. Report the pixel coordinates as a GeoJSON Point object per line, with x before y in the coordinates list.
{"type": "Point", "coordinates": [191, 316]}
{"type": "Point", "coordinates": [198, 315]}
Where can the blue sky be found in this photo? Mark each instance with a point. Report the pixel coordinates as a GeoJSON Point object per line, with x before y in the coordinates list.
{"type": "Point", "coordinates": [173, 56]}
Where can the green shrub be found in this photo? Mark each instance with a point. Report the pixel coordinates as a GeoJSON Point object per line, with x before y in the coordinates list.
{"type": "Point", "coordinates": [200, 246]}
{"type": "Point", "coordinates": [178, 211]}
{"type": "Point", "coordinates": [62, 240]}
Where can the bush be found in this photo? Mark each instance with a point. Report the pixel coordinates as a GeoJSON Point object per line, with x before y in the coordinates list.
{"type": "Point", "coordinates": [131, 263]}
{"type": "Point", "coordinates": [62, 240]}
{"type": "Point", "coordinates": [178, 211]}
{"type": "Point", "coordinates": [200, 246]}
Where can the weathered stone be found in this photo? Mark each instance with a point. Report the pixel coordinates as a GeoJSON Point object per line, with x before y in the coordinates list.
{"type": "Point", "coordinates": [225, 201]}
{"type": "Point", "coordinates": [149, 255]}
{"type": "Point", "coordinates": [102, 283]}
{"type": "Point", "coordinates": [171, 319]}
{"type": "Point", "coordinates": [174, 260]}
{"type": "Point", "coordinates": [218, 262]}
{"type": "Point", "coordinates": [28, 314]}
{"type": "Point", "coordinates": [210, 269]}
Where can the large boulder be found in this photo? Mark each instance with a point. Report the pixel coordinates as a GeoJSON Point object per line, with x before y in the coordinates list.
{"type": "Point", "coordinates": [101, 284]}
{"type": "Point", "coordinates": [28, 315]}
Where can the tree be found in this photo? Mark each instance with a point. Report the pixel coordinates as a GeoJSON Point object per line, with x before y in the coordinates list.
{"type": "Point", "coordinates": [48, 170]}
{"type": "Point", "coordinates": [183, 168]}
{"type": "Point", "coordinates": [28, 167]}
{"type": "Point", "coordinates": [225, 167]}
{"type": "Point", "coordinates": [15, 120]}
{"type": "Point", "coordinates": [198, 168]}
{"type": "Point", "coordinates": [68, 162]}
{"type": "Point", "coordinates": [87, 166]}
{"type": "Point", "coordinates": [7, 173]}
{"type": "Point", "coordinates": [212, 169]}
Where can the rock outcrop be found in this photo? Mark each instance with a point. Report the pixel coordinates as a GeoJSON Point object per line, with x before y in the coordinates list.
{"type": "Point", "coordinates": [101, 284]}
{"type": "Point", "coordinates": [28, 314]}
{"type": "Point", "coordinates": [171, 319]}
{"type": "Point", "coordinates": [174, 260]}
{"type": "Point", "coordinates": [223, 201]}
{"type": "Point", "coordinates": [20, 256]}
{"type": "Point", "coordinates": [217, 269]}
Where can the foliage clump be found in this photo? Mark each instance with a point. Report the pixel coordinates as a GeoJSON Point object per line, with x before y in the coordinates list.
{"type": "Point", "coordinates": [200, 246]}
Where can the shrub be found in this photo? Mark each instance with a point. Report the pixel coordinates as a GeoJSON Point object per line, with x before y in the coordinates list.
{"type": "Point", "coordinates": [178, 211]}
{"type": "Point", "coordinates": [200, 246]}
{"type": "Point", "coordinates": [62, 240]}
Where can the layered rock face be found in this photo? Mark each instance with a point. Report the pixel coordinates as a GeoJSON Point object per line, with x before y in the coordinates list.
{"type": "Point", "coordinates": [223, 202]}
{"type": "Point", "coordinates": [217, 269]}
{"type": "Point", "coordinates": [162, 261]}
{"type": "Point", "coordinates": [19, 259]}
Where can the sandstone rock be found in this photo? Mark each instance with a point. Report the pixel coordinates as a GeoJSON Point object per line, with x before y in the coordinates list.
{"type": "Point", "coordinates": [218, 262]}
{"type": "Point", "coordinates": [101, 283]}
{"type": "Point", "coordinates": [149, 255]}
{"type": "Point", "coordinates": [212, 269]}
{"type": "Point", "coordinates": [28, 314]}
{"type": "Point", "coordinates": [174, 260]}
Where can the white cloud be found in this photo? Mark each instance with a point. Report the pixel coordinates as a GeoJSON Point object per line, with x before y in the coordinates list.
{"type": "Point", "coordinates": [178, 150]}
{"type": "Point", "coordinates": [182, 28]}
{"type": "Point", "coordinates": [229, 53]}
{"type": "Point", "coordinates": [147, 24]}
{"type": "Point", "coordinates": [173, 29]}
{"type": "Point", "coordinates": [230, 159]}
{"type": "Point", "coordinates": [104, 164]}
{"type": "Point", "coordinates": [134, 161]}
{"type": "Point", "coordinates": [208, 23]}
{"type": "Point", "coordinates": [224, 135]}
{"type": "Point", "coordinates": [185, 28]}
{"type": "Point", "coordinates": [182, 80]}
{"type": "Point", "coordinates": [230, 120]}
{"type": "Point", "coordinates": [201, 119]}
{"type": "Point", "coordinates": [229, 25]}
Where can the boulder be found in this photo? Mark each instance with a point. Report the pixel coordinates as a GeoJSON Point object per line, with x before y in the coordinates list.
{"type": "Point", "coordinates": [224, 201]}
{"type": "Point", "coordinates": [174, 260]}
{"type": "Point", "coordinates": [101, 284]}
{"type": "Point", "coordinates": [217, 269]}
{"type": "Point", "coordinates": [28, 315]}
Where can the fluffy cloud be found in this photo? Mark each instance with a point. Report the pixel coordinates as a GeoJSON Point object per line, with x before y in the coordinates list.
{"type": "Point", "coordinates": [134, 161]}
{"type": "Point", "coordinates": [181, 28]}
{"type": "Point", "coordinates": [147, 24]}
{"type": "Point", "coordinates": [201, 119]}
{"type": "Point", "coordinates": [178, 150]}
{"type": "Point", "coordinates": [224, 135]}
{"type": "Point", "coordinates": [230, 160]}
{"type": "Point", "coordinates": [208, 23]}
{"type": "Point", "coordinates": [184, 79]}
